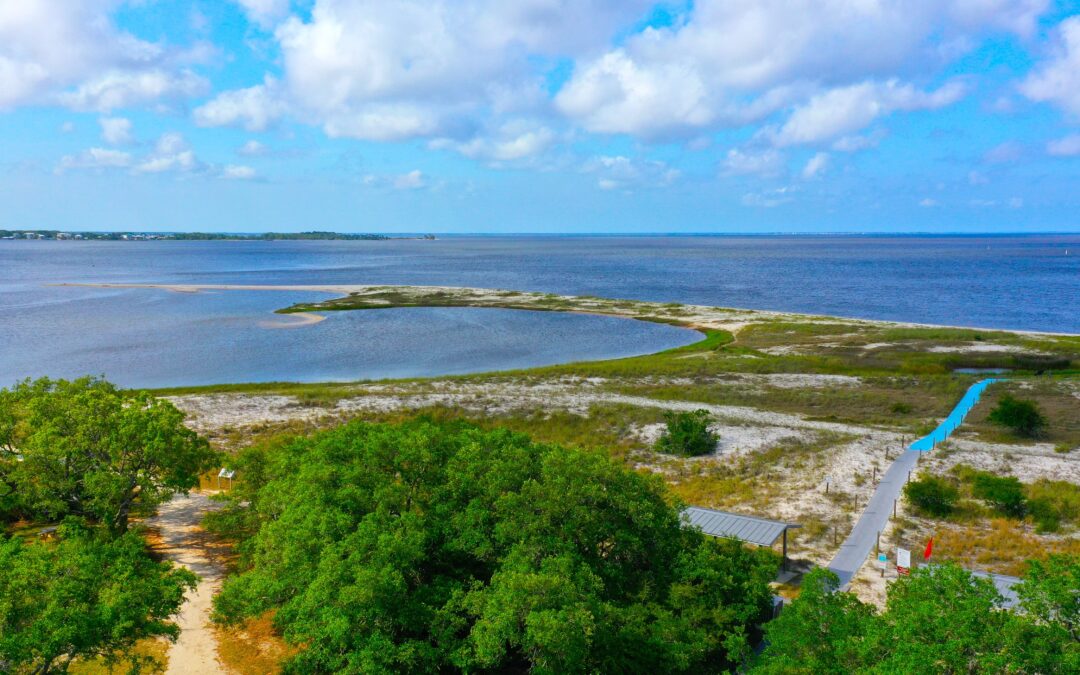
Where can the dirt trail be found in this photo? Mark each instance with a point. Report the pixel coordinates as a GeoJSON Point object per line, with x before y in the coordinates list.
{"type": "Point", "coordinates": [183, 542]}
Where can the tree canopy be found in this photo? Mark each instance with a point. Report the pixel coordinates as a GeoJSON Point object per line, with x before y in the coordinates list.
{"type": "Point", "coordinates": [89, 457]}
{"type": "Point", "coordinates": [941, 619]}
{"type": "Point", "coordinates": [426, 547]}
{"type": "Point", "coordinates": [87, 595]}
{"type": "Point", "coordinates": [83, 448]}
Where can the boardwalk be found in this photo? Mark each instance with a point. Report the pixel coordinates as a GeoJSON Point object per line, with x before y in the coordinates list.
{"type": "Point", "coordinates": [858, 545]}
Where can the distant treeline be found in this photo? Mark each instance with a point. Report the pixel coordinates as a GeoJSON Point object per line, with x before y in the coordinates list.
{"type": "Point", "coordinates": [196, 236]}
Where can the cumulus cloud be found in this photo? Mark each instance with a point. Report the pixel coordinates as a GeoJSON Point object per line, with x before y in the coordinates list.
{"type": "Point", "coordinates": [171, 153]}
{"type": "Point", "coordinates": [410, 181]}
{"type": "Point", "coordinates": [815, 166]}
{"type": "Point", "coordinates": [265, 13]}
{"type": "Point", "coordinates": [116, 130]}
{"type": "Point", "coordinates": [1057, 79]}
{"type": "Point", "coordinates": [1067, 146]}
{"type": "Point", "coordinates": [765, 162]}
{"type": "Point", "coordinates": [123, 89]}
{"type": "Point", "coordinates": [94, 158]}
{"type": "Point", "coordinates": [619, 172]}
{"type": "Point", "coordinates": [841, 111]}
{"type": "Point", "coordinates": [254, 108]}
{"type": "Point", "coordinates": [735, 61]}
{"type": "Point", "coordinates": [928, 203]}
{"type": "Point", "coordinates": [237, 172]}
{"type": "Point", "coordinates": [252, 148]}
{"type": "Point", "coordinates": [70, 51]}
{"type": "Point", "coordinates": [510, 142]}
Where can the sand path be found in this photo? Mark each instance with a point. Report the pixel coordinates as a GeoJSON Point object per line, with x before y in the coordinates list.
{"type": "Point", "coordinates": [195, 652]}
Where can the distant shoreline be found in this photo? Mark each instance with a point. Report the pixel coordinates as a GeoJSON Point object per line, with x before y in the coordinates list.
{"type": "Point", "coordinates": [58, 235]}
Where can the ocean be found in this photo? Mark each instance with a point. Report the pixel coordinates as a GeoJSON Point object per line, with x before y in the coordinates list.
{"type": "Point", "coordinates": [155, 338]}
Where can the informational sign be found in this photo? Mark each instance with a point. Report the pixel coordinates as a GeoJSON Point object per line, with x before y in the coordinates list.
{"type": "Point", "coordinates": [903, 561]}
{"type": "Point", "coordinates": [883, 561]}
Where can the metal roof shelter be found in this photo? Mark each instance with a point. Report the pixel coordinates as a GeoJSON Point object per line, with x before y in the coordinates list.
{"type": "Point", "coordinates": [752, 530]}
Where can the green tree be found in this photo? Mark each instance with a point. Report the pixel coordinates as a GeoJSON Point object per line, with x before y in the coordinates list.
{"type": "Point", "coordinates": [941, 619]}
{"type": "Point", "coordinates": [428, 547]}
{"type": "Point", "coordinates": [1005, 494]}
{"type": "Point", "coordinates": [83, 448]}
{"type": "Point", "coordinates": [87, 595]}
{"type": "Point", "coordinates": [1050, 592]}
{"type": "Point", "coordinates": [932, 495]}
{"type": "Point", "coordinates": [1022, 416]}
{"type": "Point", "coordinates": [824, 631]}
{"type": "Point", "coordinates": [687, 434]}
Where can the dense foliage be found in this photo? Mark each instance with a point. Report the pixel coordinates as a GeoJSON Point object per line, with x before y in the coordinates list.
{"type": "Point", "coordinates": [84, 449]}
{"type": "Point", "coordinates": [1004, 494]}
{"type": "Point", "coordinates": [1021, 416]}
{"type": "Point", "coordinates": [932, 495]}
{"type": "Point", "coordinates": [87, 456]}
{"type": "Point", "coordinates": [938, 620]}
{"type": "Point", "coordinates": [687, 434]}
{"type": "Point", "coordinates": [428, 547]}
{"type": "Point", "coordinates": [89, 594]}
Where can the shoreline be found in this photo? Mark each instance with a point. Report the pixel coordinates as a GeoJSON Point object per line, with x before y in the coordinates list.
{"type": "Point", "coordinates": [484, 297]}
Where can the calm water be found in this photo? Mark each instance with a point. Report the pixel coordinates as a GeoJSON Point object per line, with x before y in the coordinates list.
{"type": "Point", "coordinates": [156, 338]}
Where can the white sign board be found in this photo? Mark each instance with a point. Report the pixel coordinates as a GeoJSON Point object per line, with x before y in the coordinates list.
{"type": "Point", "coordinates": [903, 560]}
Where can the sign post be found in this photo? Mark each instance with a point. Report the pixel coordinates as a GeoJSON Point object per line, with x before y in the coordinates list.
{"type": "Point", "coordinates": [903, 561]}
{"type": "Point", "coordinates": [883, 563]}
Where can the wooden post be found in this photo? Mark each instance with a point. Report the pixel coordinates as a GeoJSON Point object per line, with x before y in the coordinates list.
{"type": "Point", "coordinates": [785, 550]}
{"type": "Point", "coordinates": [875, 475]}
{"type": "Point", "coordinates": [894, 508]}
{"type": "Point", "coordinates": [877, 546]}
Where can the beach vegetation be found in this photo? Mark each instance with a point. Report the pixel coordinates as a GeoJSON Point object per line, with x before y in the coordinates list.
{"type": "Point", "coordinates": [687, 434]}
{"type": "Point", "coordinates": [1019, 415]}
{"type": "Point", "coordinates": [932, 495]}
{"type": "Point", "coordinates": [439, 546]}
{"type": "Point", "coordinates": [939, 619]}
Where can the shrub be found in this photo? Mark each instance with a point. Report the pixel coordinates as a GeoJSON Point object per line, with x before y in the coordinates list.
{"type": "Point", "coordinates": [932, 495]}
{"type": "Point", "coordinates": [1053, 503]}
{"type": "Point", "coordinates": [1004, 494]}
{"type": "Point", "coordinates": [687, 434]}
{"type": "Point", "coordinates": [1022, 416]}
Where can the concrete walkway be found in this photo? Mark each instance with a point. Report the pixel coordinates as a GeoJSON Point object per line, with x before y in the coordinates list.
{"type": "Point", "coordinates": [863, 538]}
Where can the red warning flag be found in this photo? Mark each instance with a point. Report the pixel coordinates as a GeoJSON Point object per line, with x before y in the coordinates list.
{"type": "Point", "coordinates": [929, 549]}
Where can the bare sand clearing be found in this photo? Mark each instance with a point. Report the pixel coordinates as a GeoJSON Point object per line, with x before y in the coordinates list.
{"type": "Point", "coordinates": [195, 652]}
{"type": "Point", "coordinates": [294, 320]}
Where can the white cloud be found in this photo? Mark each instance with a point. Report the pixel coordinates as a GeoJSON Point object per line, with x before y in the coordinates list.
{"type": "Point", "coordinates": [816, 166]}
{"type": "Point", "coordinates": [731, 62]}
{"type": "Point", "coordinates": [237, 172]}
{"type": "Point", "coordinates": [95, 158]}
{"type": "Point", "coordinates": [70, 51]}
{"type": "Point", "coordinates": [431, 68]}
{"type": "Point", "coordinates": [410, 181]}
{"type": "Point", "coordinates": [841, 111]}
{"type": "Point", "coordinates": [123, 89]}
{"type": "Point", "coordinates": [116, 130]}
{"type": "Point", "coordinates": [254, 109]}
{"type": "Point", "coordinates": [1016, 203]}
{"type": "Point", "coordinates": [619, 172]}
{"type": "Point", "coordinates": [1004, 153]}
{"type": "Point", "coordinates": [1057, 80]}
{"type": "Point", "coordinates": [265, 12]}
{"type": "Point", "coordinates": [171, 153]}
{"type": "Point", "coordinates": [765, 162]}
{"type": "Point", "coordinates": [768, 199]}
{"type": "Point", "coordinates": [513, 141]}
{"type": "Point", "coordinates": [928, 203]}
{"type": "Point", "coordinates": [252, 148]}
{"type": "Point", "coordinates": [1064, 147]}
{"type": "Point", "coordinates": [977, 178]}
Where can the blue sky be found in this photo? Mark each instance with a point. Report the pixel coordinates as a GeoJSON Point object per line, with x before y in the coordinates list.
{"type": "Point", "coordinates": [540, 115]}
